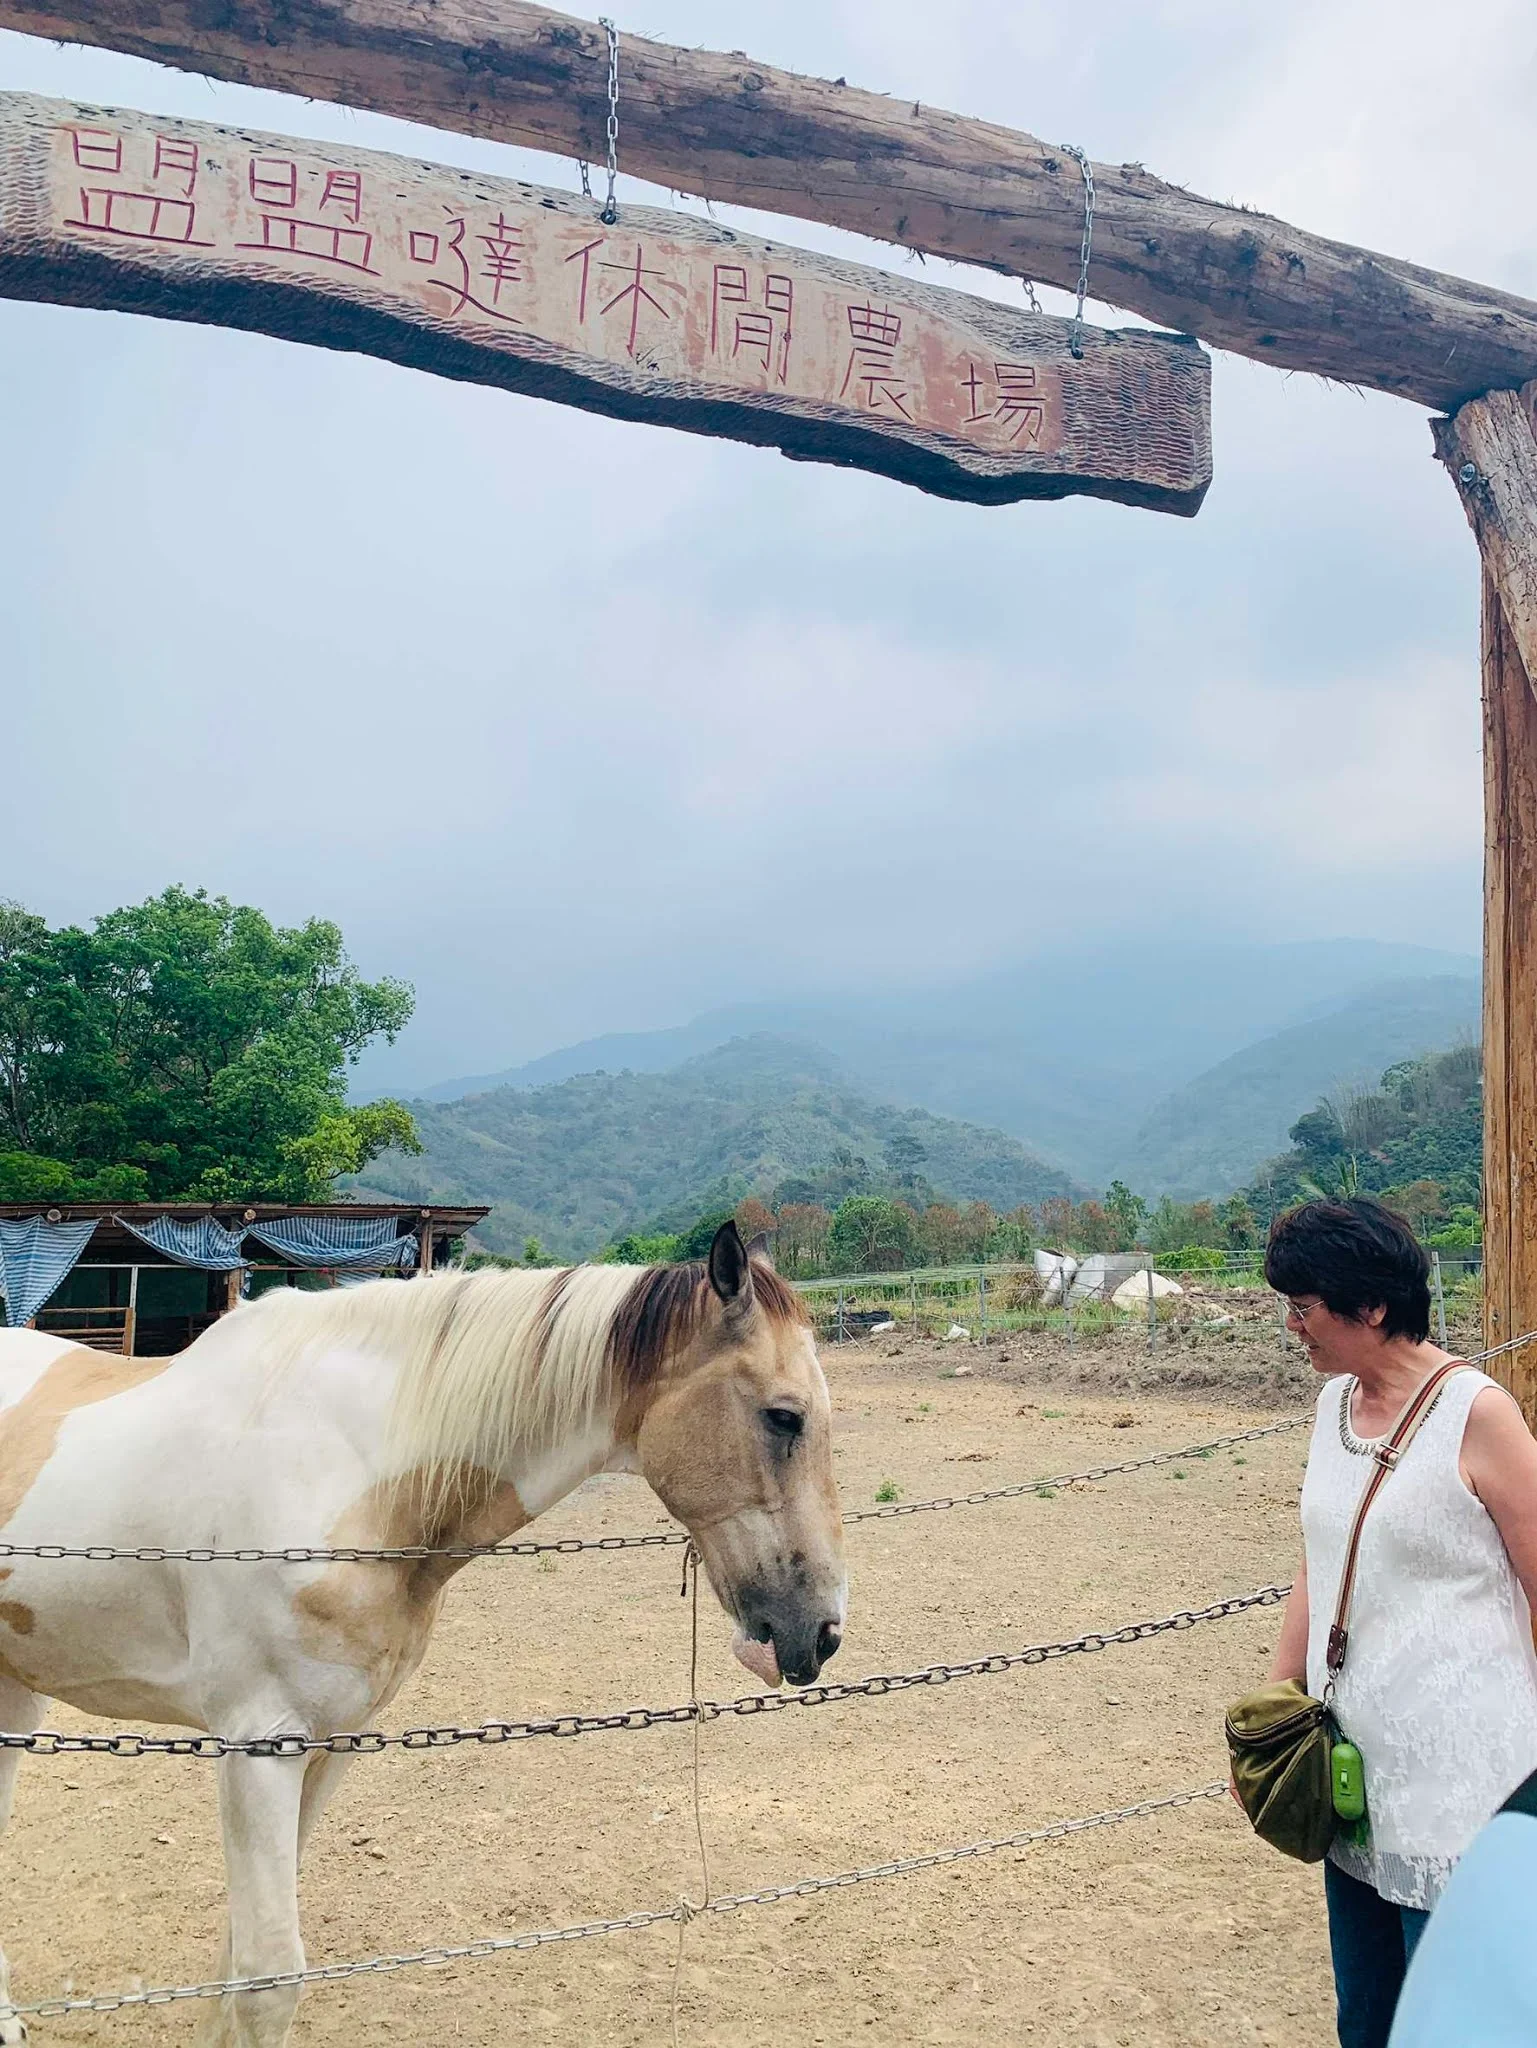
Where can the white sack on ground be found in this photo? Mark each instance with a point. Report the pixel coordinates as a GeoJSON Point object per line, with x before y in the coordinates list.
{"type": "Point", "coordinates": [1132, 1294]}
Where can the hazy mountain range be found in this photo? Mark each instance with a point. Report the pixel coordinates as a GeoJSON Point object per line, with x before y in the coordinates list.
{"type": "Point", "coordinates": [1178, 1068]}
{"type": "Point", "coordinates": [580, 1161]}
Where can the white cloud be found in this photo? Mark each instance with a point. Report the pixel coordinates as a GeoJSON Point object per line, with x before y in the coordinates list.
{"type": "Point", "coordinates": [528, 700]}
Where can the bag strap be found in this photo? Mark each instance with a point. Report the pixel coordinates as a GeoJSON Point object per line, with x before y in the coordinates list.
{"type": "Point", "coordinates": [1385, 1456]}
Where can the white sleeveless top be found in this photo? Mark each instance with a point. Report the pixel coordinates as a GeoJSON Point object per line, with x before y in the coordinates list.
{"type": "Point", "coordinates": [1439, 1686]}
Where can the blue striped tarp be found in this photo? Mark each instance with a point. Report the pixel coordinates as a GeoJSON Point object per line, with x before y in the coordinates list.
{"type": "Point", "coordinates": [203, 1243]}
{"type": "Point", "coordinates": [36, 1257]}
{"type": "Point", "coordinates": [364, 1241]}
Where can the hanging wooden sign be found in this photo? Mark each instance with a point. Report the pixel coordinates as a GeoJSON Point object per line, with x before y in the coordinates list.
{"type": "Point", "coordinates": [659, 316]}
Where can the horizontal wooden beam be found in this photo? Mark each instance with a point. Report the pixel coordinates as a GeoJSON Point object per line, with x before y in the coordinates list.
{"type": "Point", "coordinates": [738, 131]}
{"type": "Point", "coordinates": [659, 316]}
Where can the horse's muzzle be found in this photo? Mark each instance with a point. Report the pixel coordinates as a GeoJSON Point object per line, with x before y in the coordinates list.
{"type": "Point", "coordinates": [803, 1640]}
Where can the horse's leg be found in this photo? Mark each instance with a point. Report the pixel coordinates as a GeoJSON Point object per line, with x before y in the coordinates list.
{"type": "Point", "coordinates": [259, 1805]}
{"type": "Point", "coordinates": [20, 1713]}
{"type": "Point", "coordinates": [322, 1774]}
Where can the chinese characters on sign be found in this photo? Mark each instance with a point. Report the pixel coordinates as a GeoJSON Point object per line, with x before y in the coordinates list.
{"type": "Point", "coordinates": [149, 198]}
{"type": "Point", "coordinates": [514, 269]}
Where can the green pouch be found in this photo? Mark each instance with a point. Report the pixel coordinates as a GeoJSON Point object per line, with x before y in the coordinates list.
{"type": "Point", "coordinates": [1280, 1741]}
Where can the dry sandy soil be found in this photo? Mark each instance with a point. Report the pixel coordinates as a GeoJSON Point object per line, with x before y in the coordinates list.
{"type": "Point", "coordinates": [1175, 1929]}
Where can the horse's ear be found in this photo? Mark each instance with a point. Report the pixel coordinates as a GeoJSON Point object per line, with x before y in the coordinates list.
{"type": "Point", "coordinates": [730, 1274]}
{"type": "Point", "coordinates": [761, 1247]}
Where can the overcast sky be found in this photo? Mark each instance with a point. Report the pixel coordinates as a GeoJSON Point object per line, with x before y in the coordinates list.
{"type": "Point", "coordinates": [585, 726]}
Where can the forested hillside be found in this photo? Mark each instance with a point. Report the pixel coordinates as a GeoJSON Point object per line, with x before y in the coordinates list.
{"type": "Point", "coordinates": [1211, 1135]}
{"type": "Point", "coordinates": [1416, 1139]}
{"type": "Point", "coordinates": [581, 1162]}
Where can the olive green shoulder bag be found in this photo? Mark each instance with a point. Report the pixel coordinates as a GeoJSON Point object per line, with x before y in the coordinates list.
{"type": "Point", "coordinates": [1296, 1778]}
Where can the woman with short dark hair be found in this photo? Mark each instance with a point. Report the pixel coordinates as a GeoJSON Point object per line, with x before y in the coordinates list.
{"type": "Point", "coordinates": [1439, 1691]}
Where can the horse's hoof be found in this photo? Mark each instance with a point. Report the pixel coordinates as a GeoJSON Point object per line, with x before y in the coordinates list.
{"type": "Point", "coordinates": [13, 2034]}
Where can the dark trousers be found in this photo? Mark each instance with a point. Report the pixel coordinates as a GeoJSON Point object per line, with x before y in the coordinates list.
{"type": "Point", "coordinates": [1371, 1941]}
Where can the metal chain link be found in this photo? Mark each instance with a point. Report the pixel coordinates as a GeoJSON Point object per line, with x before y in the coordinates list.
{"type": "Point", "coordinates": [1019, 1488]}
{"type": "Point", "coordinates": [53, 1742]}
{"type": "Point", "coordinates": [610, 211]}
{"type": "Point", "coordinates": [508, 1944]}
{"type": "Point", "coordinates": [1075, 340]}
{"type": "Point", "coordinates": [1030, 299]}
{"type": "Point", "coordinates": [566, 1546]}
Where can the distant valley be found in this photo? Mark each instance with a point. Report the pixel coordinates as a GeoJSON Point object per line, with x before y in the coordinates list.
{"type": "Point", "coordinates": [1178, 1068]}
{"type": "Point", "coordinates": [578, 1162]}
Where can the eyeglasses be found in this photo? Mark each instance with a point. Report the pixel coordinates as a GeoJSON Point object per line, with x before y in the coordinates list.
{"type": "Point", "coordinates": [1299, 1311]}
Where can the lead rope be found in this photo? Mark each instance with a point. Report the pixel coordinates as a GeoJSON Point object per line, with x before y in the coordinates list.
{"type": "Point", "coordinates": [687, 1909]}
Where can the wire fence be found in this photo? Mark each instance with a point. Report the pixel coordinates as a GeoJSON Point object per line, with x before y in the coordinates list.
{"type": "Point", "coordinates": [1104, 1291]}
{"type": "Point", "coordinates": [656, 1539]}
{"type": "Point", "coordinates": [679, 1913]}
{"type": "Point", "coordinates": [695, 1711]}
{"type": "Point", "coordinates": [883, 1685]}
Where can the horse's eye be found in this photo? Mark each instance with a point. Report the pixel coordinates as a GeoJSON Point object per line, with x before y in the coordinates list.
{"type": "Point", "coordinates": [784, 1421]}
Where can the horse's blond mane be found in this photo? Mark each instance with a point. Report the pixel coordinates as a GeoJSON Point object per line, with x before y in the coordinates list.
{"type": "Point", "coordinates": [487, 1362]}
{"type": "Point", "coordinates": [496, 1362]}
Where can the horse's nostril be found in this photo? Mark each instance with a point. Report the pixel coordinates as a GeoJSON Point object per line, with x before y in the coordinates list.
{"type": "Point", "coordinates": [829, 1636]}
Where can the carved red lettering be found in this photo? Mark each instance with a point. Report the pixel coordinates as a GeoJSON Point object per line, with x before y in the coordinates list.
{"type": "Point", "coordinates": [175, 158]}
{"type": "Point", "coordinates": [344, 190]}
{"type": "Point", "coordinates": [273, 181]}
{"type": "Point", "coordinates": [874, 332]}
{"type": "Point", "coordinates": [98, 149]}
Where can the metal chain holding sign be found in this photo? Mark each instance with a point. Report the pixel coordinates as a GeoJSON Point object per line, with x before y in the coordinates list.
{"type": "Point", "coordinates": [1071, 149]}
{"type": "Point", "coordinates": [610, 211]}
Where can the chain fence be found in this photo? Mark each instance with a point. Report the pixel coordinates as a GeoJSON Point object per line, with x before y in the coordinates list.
{"type": "Point", "coordinates": [588, 1930]}
{"type": "Point", "coordinates": [882, 1685]}
{"type": "Point", "coordinates": [567, 1546]}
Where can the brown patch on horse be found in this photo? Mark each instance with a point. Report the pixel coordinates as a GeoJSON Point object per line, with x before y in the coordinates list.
{"type": "Point", "coordinates": [20, 1620]}
{"type": "Point", "coordinates": [662, 1314]}
{"type": "Point", "coordinates": [376, 1617]}
{"type": "Point", "coordinates": [29, 1428]}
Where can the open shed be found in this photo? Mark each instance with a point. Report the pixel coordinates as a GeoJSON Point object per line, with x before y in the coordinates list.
{"type": "Point", "coordinates": [146, 1278]}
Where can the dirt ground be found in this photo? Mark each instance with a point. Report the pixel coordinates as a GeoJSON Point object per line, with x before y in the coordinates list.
{"type": "Point", "coordinates": [1178, 1929]}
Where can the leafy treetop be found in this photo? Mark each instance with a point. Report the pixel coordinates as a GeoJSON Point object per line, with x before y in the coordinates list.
{"type": "Point", "coordinates": [187, 1047]}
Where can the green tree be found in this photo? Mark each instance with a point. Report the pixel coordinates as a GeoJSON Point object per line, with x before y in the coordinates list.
{"type": "Point", "coordinates": [870, 1234]}
{"type": "Point", "coordinates": [190, 1039]}
{"type": "Point", "coordinates": [1239, 1225]}
{"type": "Point", "coordinates": [1129, 1212]}
{"type": "Point", "coordinates": [659, 1249]}
{"type": "Point", "coordinates": [695, 1242]}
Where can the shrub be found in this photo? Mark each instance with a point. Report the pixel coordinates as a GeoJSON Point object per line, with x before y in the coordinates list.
{"type": "Point", "coordinates": [1192, 1258]}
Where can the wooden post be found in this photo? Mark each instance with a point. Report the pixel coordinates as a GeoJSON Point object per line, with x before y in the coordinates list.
{"type": "Point", "coordinates": [131, 1320]}
{"type": "Point", "coordinates": [1491, 450]}
{"type": "Point", "coordinates": [232, 1280]}
{"type": "Point", "coordinates": [1510, 1003]}
{"type": "Point", "coordinates": [1438, 1297]}
{"type": "Point", "coordinates": [424, 1256]}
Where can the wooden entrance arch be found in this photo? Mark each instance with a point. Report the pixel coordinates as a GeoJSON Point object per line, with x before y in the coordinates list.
{"type": "Point", "coordinates": [727, 128]}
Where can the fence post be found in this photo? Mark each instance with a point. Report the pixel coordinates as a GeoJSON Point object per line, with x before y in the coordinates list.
{"type": "Point", "coordinates": [981, 1301]}
{"type": "Point", "coordinates": [1067, 1302]}
{"type": "Point", "coordinates": [1439, 1297]}
{"type": "Point", "coordinates": [912, 1288]}
{"type": "Point", "coordinates": [842, 1333]}
{"type": "Point", "coordinates": [1152, 1307]}
{"type": "Point", "coordinates": [1281, 1318]}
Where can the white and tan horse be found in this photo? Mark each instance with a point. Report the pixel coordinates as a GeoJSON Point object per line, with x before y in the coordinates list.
{"type": "Point", "coordinates": [444, 1411]}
